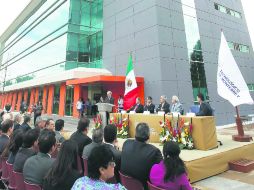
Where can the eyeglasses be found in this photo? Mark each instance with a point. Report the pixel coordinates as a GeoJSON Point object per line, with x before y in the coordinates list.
{"type": "Point", "coordinates": [112, 164]}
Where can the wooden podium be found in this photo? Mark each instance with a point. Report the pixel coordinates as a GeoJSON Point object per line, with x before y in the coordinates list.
{"type": "Point", "coordinates": [103, 108]}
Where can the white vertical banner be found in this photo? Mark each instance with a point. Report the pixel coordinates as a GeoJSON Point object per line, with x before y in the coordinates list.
{"type": "Point", "coordinates": [230, 82]}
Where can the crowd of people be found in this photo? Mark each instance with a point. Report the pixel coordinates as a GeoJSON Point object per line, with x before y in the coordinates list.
{"type": "Point", "coordinates": [47, 159]}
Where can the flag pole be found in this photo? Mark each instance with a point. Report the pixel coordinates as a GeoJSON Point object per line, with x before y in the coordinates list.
{"type": "Point", "coordinates": [240, 137]}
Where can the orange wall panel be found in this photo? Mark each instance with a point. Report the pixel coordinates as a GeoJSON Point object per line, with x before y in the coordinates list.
{"type": "Point", "coordinates": [19, 100]}
{"type": "Point", "coordinates": [44, 98]}
{"type": "Point", "coordinates": [26, 96]}
{"type": "Point", "coordinates": [62, 99]}
{"type": "Point", "coordinates": [50, 99]}
{"type": "Point", "coordinates": [14, 99]}
{"type": "Point", "coordinates": [36, 96]}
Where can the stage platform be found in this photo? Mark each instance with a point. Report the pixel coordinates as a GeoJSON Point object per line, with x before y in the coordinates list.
{"type": "Point", "coordinates": [203, 164]}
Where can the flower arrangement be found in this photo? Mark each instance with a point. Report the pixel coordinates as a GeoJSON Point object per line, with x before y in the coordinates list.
{"type": "Point", "coordinates": [98, 121]}
{"type": "Point", "coordinates": [122, 124]}
{"type": "Point", "coordinates": [177, 130]}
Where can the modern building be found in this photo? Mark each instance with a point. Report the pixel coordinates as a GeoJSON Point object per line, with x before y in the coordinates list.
{"type": "Point", "coordinates": [59, 50]}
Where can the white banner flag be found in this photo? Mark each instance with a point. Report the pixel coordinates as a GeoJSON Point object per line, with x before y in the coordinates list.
{"type": "Point", "coordinates": [230, 82]}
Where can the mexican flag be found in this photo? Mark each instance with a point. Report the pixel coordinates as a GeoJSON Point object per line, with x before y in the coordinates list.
{"type": "Point", "coordinates": [131, 88]}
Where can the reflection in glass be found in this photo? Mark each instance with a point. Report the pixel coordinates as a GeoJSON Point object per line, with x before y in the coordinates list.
{"type": "Point", "coordinates": [195, 56]}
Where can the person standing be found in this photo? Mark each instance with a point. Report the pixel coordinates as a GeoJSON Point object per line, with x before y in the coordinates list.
{"type": "Point", "coordinates": [120, 104]}
{"type": "Point", "coordinates": [149, 105]}
{"type": "Point", "coordinates": [79, 107]}
{"type": "Point", "coordinates": [110, 100]}
{"type": "Point", "coordinates": [37, 111]}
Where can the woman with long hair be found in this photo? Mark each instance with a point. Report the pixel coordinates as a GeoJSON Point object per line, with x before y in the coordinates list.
{"type": "Point", "coordinates": [170, 173]}
{"type": "Point", "coordinates": [64, 171]}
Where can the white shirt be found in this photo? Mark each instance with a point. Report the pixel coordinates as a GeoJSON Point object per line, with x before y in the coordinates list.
{"type": "Point", "coordinates": [79, 105]}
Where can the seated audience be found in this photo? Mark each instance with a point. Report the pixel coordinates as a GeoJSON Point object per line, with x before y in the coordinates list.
{"type": "Point", "coordinates": [164, 105]}
{"type": "Point", "coordinates": [50, 124]}
{"type": "Point", "coordinates": [138, 107]}
{"type": "Point", "coordinates": [80, 136]}
{"type": "Point", "coordinates": [59, 125]}
{"type": "Point", "coordinates": [7, 129]}
{"type": "Point", "coordinates": [97, 139]}
{"type": "Point", "coordinates": [170, 173]}
{"type": "Point", "coordinates": [149, 105]}
{"type": "Point", "coordinates": [30, 141]}
{"type": "Point", "coordinates": [100, 168]}
{"type": "Point", "coordinates": [205, 108]}
{"type": "Point", "coordinates": [138, 156]}
{"type": "Point", "coordinates": [26, 124]}
{"type": "Point", "coordinates": [110, 139]}
{"type": "Point", "coordinates": [64, 170]}
{"type": "Point", "coordinates": [176, 105]}
{"type": "Point", "coordinates": [15, 143]}
{"type": "Point", "coordinates": [36, 167]}
{"type": "Point", "coordinates": [17, 121]}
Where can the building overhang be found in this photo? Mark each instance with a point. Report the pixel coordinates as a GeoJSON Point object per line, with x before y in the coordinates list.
{"type": "Point", "coordinates": [101, 79]}
{"type": "Point", "coordinates": [65, 76]}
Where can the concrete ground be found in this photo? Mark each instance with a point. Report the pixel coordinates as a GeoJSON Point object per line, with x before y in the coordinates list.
{"type": "Point", "coordinates": [229, 180]}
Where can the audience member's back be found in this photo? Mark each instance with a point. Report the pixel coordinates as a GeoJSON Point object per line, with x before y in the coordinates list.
{"type": "Point", "coordinates": [29, 141]}
{"type": "Point", "coordinates": [7, 129]}
{"type": "Point", "coordinates": [80, 136]}
{"type": "Point", "coordinates": [37, 166]}
{"type": "Point", "coordinates": [137, 156]}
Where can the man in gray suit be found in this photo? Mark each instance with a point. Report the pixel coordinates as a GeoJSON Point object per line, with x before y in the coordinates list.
{"type": "Point", "coordinates": [36, 167]}
{"type": "Point", "coordinates": [97, 139]}
{"type": "Point", "coordinates": [176, 105]}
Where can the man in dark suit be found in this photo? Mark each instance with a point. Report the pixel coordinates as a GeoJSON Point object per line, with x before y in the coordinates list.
{"type": "Point", "coordinates": [110, 138]}
{"type": "Point", "coordinates": [110, 100]}
{"type": "Point", "coordinates": [138, 156]}
{"type": "Point", "coordinates": [26, 124]}
{"type": "Point", "coordinates": [37, 166]}
{"type": "Point", "coordinates": [80, 136]}
{"type": "Point", "coordinates": [164, 105]}
{"type": "Point", "coordinates": [27, 150]}
{"type": "Point", "coordinates": [7, 129]}
{"type": "Point", "coordinates": [149, 105]}
{"type": "Point", "coordinates": [138, 107]}
{"type": "Point", "coordinates": [205, 108]}
{"type": "Point", "coordinates": [17, 121]}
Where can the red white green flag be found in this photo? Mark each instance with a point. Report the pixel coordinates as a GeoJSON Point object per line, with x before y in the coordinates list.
{"type": "Point", "coordinates": [131, 88]}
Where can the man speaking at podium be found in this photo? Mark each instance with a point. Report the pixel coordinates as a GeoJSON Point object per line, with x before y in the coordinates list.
{"type": "Point", "coordinates": [110, 100]}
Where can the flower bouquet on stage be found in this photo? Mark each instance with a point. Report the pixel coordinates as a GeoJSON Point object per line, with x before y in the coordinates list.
{"type": "Point", "coordinates": [122, 124]}
{"type": "Point", "coordinates": [177, 130]}
{"type": "Point", "coordinates": [97, 121]}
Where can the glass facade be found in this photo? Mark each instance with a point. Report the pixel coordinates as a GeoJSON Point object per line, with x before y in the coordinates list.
{"type": "Point", "coordinates": [251, 87]}
{"type": "Point", "coordinates": [227, 10]}
{"type": "Point", "coordinates": [69, 100]}
{"type": "Point", "coordinates": [195, 56]}
{"type": "Point", "coordinates": [84, 47]}
{"type": "Point", "coordinates": [239, 47]}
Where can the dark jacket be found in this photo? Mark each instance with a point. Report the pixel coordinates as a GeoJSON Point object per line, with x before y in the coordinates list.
{"type": "Point", "coordinates": [21, 157]}
{"type": "Point", "coordinates": [68, 182]}
{"type": "Point", "coordinates": [81, 140]}
{"type": "Point", "coordinates": [138, 158]}
{"type": "Point", "coordinates": [150, 108]}
{"type": "Point", "coordinates": [165, 107]}
{"type": "Point", "coordinates": [205, 110]}
{"type": "Point", "coordinates": [117, 158]}
{"type": "Point", "coordinates": [109, 101]}
{"type": "Point", "coordinates": [36, 168]}
{"type": "Point", "coordinates": [4, 140]}
{"type": "Point", "coordinates": [137, 108]}
{"type": "Point", "coordinates": [16, 126]}
{"type": "Point", "coordinates": [25, 127]}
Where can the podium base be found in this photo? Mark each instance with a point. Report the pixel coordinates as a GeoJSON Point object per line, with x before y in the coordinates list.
{"type": "Point", "coordinates": [242, 138]}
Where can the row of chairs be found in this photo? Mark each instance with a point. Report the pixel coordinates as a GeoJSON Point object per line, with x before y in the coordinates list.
{"type": "Point", "coordinates": [15, 180]}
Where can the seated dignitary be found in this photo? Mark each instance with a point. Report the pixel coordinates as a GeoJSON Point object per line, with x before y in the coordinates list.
{"type": "Point", "coordinates": [149, 105]}
{"type": "Point", "coordinates": [138, 107]}
{"type": "Point", "coordinates": [170, 173]}
{"type": "Point", "coordinates": [100, 169]}
{"type": "Point", "coordinates": [205, 108]}
{"type": "Point", "coordinates": [30, 141]}
{"type": "Point", "coordinates": [37, 166]}
{"type": "Point", "coordinates": [176, 105]}
{"type": "Point", "coordinates": [164, 105]}
{"type": "Point", "coordinates": [97, 138]}
{"type": "Point", "coordinates": [138, 156]}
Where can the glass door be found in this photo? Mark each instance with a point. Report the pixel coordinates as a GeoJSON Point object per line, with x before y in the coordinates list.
{"type": "Point", "coordinates": [69, 101]}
